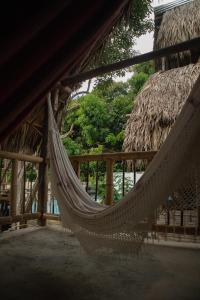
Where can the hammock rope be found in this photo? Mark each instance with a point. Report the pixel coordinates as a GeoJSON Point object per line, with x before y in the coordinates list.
{"type": "Point", "coordinates": [172, 178]}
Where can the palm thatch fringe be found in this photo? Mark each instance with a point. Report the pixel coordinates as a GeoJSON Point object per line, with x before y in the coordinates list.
{"type": "Point", "coordinates": [157, 106]}
{"type": "Point", "coordinates": [178, 25]}
{"type": "Point", "coordinates": [28, 137]}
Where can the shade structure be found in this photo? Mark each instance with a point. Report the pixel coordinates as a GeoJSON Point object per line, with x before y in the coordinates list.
{"type": "Point", "coordinates": [157, 107]}
{"type": "Point", "coordinates": [40, 43]}
{"type": "Point", "coordinates": [123, 227]}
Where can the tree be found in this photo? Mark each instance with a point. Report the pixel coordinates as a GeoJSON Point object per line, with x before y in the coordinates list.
{"type": "Point", "coordinates": [98, 122]}
{"type": "Point", "coordinates": [119, 44]}
{"type": "Point", "coordinates": [141, 74]}
{"type": "Point", "coordinates": [98, 125]}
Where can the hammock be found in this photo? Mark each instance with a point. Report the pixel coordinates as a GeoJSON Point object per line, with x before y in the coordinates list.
{"type": "Point", "coordinates": [172, 177]}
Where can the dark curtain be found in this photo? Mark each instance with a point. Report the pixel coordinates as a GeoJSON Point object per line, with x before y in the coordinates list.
{"type": "Point", "coordinates": [40, 42]}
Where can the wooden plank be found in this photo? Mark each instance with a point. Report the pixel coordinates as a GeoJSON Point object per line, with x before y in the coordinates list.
{"type": "Point", "coordinates": [173, 229]}
{"type": "Point", "coordinates": [20, 156]}
{"type": "Point", "coordinates": [97, 181]}
{"type": "Point", "coordinates": [43, 170]}
{"type": "Point", "coordinates": [187, 45]}
{"type": "Point", "coordinates": [123, 178]}
{"type": "Point", "coordinates": [52, 217]}
{"type": "Point", "coordinates": [115, 156]}
{"type": "Point", "coordinates": [109, 182]}
{"type": "Point", "coordinates": [76, 167]}
{"type": "Point", "coordinates": [13, 199]}
{"type": "Point", "coordinates": [19, 218]}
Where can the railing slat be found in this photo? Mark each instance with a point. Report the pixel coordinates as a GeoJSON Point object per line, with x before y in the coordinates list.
{"type": "Point", "coordinates": [97, 180]}
{"type": "Point", "coordinates": [20, 156]}
{"type": "Point", "coordinates": [109, 182]}
{"type": "Point", "coordinates": [115, 156]}
{"type": "Point", "coordinates": [13, 200]}
{"type": "Point", "coordinates": [123, 178]}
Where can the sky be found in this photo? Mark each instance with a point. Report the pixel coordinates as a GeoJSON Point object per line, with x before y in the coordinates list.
{"type": "Point", "coordinates": [143, 44]}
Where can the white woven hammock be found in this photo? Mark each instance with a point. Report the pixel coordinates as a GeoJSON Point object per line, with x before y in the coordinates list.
{"type": "Point", "coordinates": [173, 174]}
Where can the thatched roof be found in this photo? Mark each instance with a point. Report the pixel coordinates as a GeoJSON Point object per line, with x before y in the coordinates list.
{"type": "Point", "coordinates": [179, 24]}
{"type": "Point", "coordinates": [157, 106]}
{"type": "Point", "coordinates": [28, 137]}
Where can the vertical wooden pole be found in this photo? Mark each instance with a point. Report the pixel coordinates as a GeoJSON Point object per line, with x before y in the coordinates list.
{"type": "Point", "coordinates": [181, 221]}
{"type": "Point", "coordinates": [76, 166]}
{"type": "Point", "coordinates": [134, 172]}
{"type": "Point", "coordinates": [97, 180]}
{"type": "Point", "coordinates": [13, 200]}
{"type": "Point", "coordinates": [198, 219]}
{"type": "Point", "coordinates": [87, 176]}
{"type": "Point", "coordinates": [24, 190]}
{"type": "Point", "coordinates": [43, 171]}
{"type": "Point", "coordinates": [109, 182]}
{"type": "Point", "coordinates": [123, 178]}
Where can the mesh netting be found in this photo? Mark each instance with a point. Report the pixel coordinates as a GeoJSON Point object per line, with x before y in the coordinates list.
{"type": "Point", "coordinates": [171, 180]}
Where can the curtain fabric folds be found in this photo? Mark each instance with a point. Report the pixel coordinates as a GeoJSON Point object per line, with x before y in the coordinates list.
{"type": "Point", "coordinates": [42, 41]}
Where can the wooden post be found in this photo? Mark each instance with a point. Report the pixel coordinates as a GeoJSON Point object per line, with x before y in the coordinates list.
{"type": "Point", "coordinates": [109, 182]}
{"type": "Point", "coordinates": [76, 166]}
{"type": "Point", "coordinates": [13, 199]}
{"type": "Point", "coordinates": [43, 172]}
{"type": "Point", "coordinates": [198, 219]}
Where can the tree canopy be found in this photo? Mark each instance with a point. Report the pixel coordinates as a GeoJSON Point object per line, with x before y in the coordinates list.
{"type": "Point", "coordinates": [100, 118]}
{"type": "Point", "coordinates": [120, 42]}
{"type": "Point", "coordinates": [98, 122]}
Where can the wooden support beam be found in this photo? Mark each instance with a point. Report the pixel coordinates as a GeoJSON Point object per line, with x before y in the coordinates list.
{"type": "Point", "coordinates": [109, 182]}
{"type": "Point", "coordinates": [52, 217]}
{"type": "Point", "coordinates": [188, 45]}
{"type": "Point", "coordinates": [76, 167]}
{"type": "Point", "coordinates": [43, 171]}
{"type": "Point", "coordinates": [198, 219]}
{"type": "Point", "coordinates": [13, 199]}
{"type": "Point", "coordinates": [20, 156]}
{"type": "Point", "coordinates": [115, 156]}
{"type": "Point", "coordinates": [19, 218]}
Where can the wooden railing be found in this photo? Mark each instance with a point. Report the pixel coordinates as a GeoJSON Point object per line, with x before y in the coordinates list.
{"type": "Point", "coordinates": [16, 163]}
{"type": "Point", "coordinates": [38, 204]}
{"type": "Point", "coordinates": [35, 198]}
{"type": "Point", "coordinates": [110, 159]}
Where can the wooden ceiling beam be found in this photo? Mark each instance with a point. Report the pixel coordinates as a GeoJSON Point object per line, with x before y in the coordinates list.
{"type": "Point", "coordinates": [188, 45]}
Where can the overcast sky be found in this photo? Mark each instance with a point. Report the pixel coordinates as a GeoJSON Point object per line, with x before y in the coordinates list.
{"type": "Point", "coordinates": [143, 44]}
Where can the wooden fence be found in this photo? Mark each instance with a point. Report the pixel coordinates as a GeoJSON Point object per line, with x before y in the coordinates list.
{"type": "Point", "coordinates": [110, 160]}
{"type": "Point", "coordinates": [35, 201]}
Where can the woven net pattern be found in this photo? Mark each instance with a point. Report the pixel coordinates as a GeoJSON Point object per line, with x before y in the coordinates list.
{"type": "Point", "coordinates": [172, 179]}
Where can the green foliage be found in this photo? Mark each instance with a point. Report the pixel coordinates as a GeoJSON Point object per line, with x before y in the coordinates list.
{"type": "Point", "coordinates": [93, 120]}
{"type": "Point", "coordinates": [119, 44]}
{"type": "Point", "coordinates": [118, 181]}
{"type": "Point", "coordinates": [141, 74]}
{"type": "Point", "coordinates": [72, 147]}
{"type": "Point", "coordinates": [137, 82]}
{"type": "Point", "coordinates": [145, 67]}
{"type": "Point", "coordinates": [30, 173]}
{"type": "Point", "coordinates": [100, 118]}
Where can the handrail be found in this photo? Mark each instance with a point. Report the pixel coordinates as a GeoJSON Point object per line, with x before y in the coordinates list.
{"type": "Point", "coordinates": [21, 156]}
{"type": "Point", "coordinates": [14, 172]}
{"type": "Point", "coordinates": [110, 159]}
{"type": "Point", "coordinates": [114, 156]}
{"type": "Point", "coordinates": [83, 157]}
{"type": "Point", "coordinates": [183, 46]}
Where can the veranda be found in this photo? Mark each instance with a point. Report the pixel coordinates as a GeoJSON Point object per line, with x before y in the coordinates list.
{"type": "Point", "coordinates": [43, 260]}
{"type": "Point", "coordinates": [25, 197]}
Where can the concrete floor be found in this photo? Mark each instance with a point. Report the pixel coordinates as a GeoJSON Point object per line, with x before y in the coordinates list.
{"type": "Point", "coordinates": [48, 264]}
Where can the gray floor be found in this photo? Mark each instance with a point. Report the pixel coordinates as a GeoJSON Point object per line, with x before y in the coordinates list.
{"type": "Point", "coordinates": [48, 264]}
